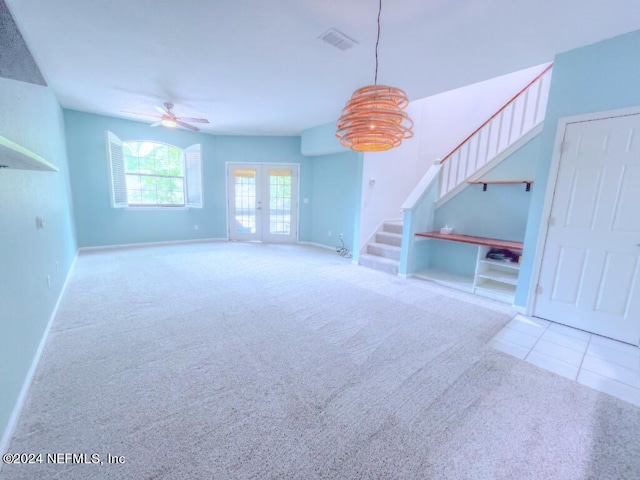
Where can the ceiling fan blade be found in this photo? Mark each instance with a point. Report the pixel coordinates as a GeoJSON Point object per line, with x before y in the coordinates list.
{"type": "Point", "coordinates": [161, 110]}
{"type": "Point", "coordinates": [157, 124]}
{"type": "Point", "coordinates": [186, 125]}
{"type": "Point", "coordinates": [138, 113]}
{"type": "Point", "coordinates": [194, 120]}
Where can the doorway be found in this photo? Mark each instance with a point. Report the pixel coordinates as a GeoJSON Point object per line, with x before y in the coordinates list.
{"type": "Point", "coordinates": [590, 273]}
{"type": "Point", "coordinates": [263, 202]}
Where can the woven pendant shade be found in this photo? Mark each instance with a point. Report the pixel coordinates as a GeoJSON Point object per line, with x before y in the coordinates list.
{"type": "Point", "coordinates": [374, 119]}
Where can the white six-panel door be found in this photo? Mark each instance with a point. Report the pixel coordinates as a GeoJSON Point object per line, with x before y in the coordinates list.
{"type": "Point", "coordinates": [590, 275]}
{"type": "Point", "coordinates": [262, 201]}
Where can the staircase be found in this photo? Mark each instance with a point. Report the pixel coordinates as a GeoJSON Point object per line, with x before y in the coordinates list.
{"type": "Point", "coordinates": [507, 130]}
{"type": "Point", "coordinates": [384, 252]}
{"type": "Point", "coordinates": [492, 141]}
{"type": "Point", "coordinates": [502, 134]}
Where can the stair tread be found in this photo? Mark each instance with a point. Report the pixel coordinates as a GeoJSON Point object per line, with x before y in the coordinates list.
{"type": "Point", "coordinates": [384, 245]}
{"type": "Point", "coordinates": [399, 235]}
{"type": "Point", "coordinates": [377, 258]}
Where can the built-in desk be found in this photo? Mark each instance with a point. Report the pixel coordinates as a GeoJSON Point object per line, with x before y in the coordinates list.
{"type": "Point", "coordinates": [492, 278]}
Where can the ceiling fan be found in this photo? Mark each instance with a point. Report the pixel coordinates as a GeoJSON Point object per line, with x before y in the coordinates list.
{"type": "Point", "coordinates": [170, 119]}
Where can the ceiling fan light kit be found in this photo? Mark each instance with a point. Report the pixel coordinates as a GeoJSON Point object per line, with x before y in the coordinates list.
{"type": "Point", "coordinates": [167, 122]}
{"type": "Point", "coordinates": [169, 119]}
{"type": "Point", "coordinates": [374, 119]}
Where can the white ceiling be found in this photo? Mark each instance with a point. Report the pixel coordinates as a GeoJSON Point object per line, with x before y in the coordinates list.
{"type": "Point", "coordinates": [258, 67]}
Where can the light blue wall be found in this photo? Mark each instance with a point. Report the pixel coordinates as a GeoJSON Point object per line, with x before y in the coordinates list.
{"type": "Point", "coordinates": [415, 254]}
{"type": "Point", "coordinates": [335, 200]}
{"type": "Point", "coordinates": [602, 76]}
{"type": "Point", "coordinates": [98, 224]}
{"type": "Point", "coordinates": [321, 140]}
{"type": "Point", "coordinates": [31, 117]}
{"type": "Point", "coordinates": [501, 211]}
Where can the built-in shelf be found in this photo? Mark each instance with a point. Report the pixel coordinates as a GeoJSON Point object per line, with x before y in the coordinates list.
{"type": "Point", "coordinates": [445, 278]}
{"type": "Point", "coordinates": [498, 263]}
{"type": "Point", "coordinates": [492, 278]}
{"type": "Point", "coordinates": [484, 183]}
{"type": "Point", "coordinates": [13, 155]}
{"type": "Point", "coordinates": [510, 278]}
{"type": "Point", "coordinates": [484, 241]}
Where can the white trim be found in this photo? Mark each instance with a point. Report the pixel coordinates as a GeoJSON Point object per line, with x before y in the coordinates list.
{"type": "Point", "coordinates": [156, 209]}
{"type": "Point", "coordinates": [550, 191]}
{"type": "Point", "coordinates": [319, 245]}
{"type": "Point", "coordinates": [507, 152]}
{"type": "Point", "coordinates": [433, 174]}
{"type": "Point", "coordinates": [17, 409]}
{"type": "Point", "coordinates": [404, 276]}
{"type": "Point", "coordinates": [150, 244]}
{"type": "Point", "coordinates": [520, 310]}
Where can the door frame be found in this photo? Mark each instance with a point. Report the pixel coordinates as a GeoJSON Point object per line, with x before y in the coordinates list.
{"type": "Point", "coordinates": [226, 192]}
{"type": "Point", "coordinates": [543, 230]}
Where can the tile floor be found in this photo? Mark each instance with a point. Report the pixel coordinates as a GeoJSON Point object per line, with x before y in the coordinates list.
{"type": "Point", "coordinates": [597, 362]}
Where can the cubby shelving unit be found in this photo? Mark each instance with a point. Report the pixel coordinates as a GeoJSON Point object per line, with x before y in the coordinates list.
{"type": "Point", "coordinates": [492, 278]}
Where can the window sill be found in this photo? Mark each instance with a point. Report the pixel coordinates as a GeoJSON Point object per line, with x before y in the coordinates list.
{"type": "Point", "coordinates": [156, 209]}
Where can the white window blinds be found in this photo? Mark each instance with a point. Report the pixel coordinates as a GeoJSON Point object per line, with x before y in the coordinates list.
{"type": "Point", "coordinates": [116, 164]}
{"type": "Point", "coordinates": [193, 174]}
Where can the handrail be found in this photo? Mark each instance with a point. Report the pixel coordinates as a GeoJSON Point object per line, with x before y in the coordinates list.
{"type": "Point", "coordinates": [513, 99]}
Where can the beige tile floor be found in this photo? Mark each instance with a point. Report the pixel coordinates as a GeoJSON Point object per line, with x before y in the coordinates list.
{"type": "Point", "coordinates": [607, 365]}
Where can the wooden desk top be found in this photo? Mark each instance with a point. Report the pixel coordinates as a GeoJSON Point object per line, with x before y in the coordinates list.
{"type": "Point", "coordinates": [486, 242]}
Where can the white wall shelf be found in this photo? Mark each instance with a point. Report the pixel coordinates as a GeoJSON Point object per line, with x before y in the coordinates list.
{"type": "Point", "coordinates": [16, 156]}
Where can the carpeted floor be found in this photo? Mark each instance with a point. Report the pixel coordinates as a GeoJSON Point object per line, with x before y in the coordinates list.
{"type": "Point", "coordinates": [252, 361]}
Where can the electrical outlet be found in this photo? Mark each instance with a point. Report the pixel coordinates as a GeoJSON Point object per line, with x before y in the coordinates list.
{"type": "Point", "coordinates": [329, 234]}
{"type": "Point", "coordinates": [340, 236]}
{"type": "Point", "coordinates": [49, 281]}
{"type": "Point", "coordinates": [195, 227]}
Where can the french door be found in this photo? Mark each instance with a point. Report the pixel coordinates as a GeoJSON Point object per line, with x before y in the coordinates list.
{"type": "Point", "coordinates": [263, 202]}
{"type": "Point", "coordinates": [590, 276]}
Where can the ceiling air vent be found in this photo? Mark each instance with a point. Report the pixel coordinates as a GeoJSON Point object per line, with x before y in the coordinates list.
{"type": "Point", "coordinates": [337, 39]}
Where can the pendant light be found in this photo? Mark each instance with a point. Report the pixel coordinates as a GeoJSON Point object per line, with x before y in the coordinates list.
{"type": "Point", "coordinates": [374, 119]}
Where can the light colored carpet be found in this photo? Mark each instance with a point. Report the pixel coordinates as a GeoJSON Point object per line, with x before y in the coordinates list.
{"type": "Point", "coordinates": [251, 361]}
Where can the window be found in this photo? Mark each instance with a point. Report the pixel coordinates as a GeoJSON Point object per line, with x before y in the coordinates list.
{"type": "Point", "coordinates": [154, 174]}
{"type": "Point", "coordinates": [151, 174]}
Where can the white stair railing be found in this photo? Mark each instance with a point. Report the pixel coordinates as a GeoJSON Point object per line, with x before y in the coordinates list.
{"type": "Point", "coordinates": [515, 119]}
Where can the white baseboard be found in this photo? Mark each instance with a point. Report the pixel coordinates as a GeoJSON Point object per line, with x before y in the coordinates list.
{"type": "Point", "coordinates": [17, 409]}
{"type": "Point", "coordinates": [319, 245]}
{"type": "Point", "coordinates": [403, 275]}
{"type": "Point", "coordinates": [520, 310]}
{"type": "Point", "coordinates": [150, 244]}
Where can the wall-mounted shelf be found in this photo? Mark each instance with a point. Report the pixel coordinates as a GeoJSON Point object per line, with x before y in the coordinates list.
{"type": "Point", "coordinates": [502, 182]}
{"type": "Point", "coordinates": [487, 242]}
{"type": "Point", "coordinates": [13, 155]}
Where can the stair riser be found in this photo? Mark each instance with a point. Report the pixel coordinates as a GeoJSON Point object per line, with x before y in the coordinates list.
{"type": "Point", "coordinates": [392, 228]}
{"type": "Point", "coordinates": [388, 239]}
{"type": "Point", "coordinates": [383, 252]}
{"type": "Point", "coordinates": [383, 267]}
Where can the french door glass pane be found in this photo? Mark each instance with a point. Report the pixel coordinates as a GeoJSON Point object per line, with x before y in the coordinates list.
{"type": "Point", "coordinates": [245, 200]}
{"type": "Point", "coordinates": [280, 201]}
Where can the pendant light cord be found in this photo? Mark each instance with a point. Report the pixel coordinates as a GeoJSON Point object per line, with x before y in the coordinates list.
{"type": "Point", "coordinates": [377, 42]}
